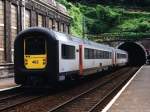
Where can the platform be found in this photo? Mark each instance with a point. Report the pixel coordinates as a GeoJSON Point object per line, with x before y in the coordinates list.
{"type": "Point", "coordinates": [7, 83]}
{"type": "Point", "coordinates": [134, 96]}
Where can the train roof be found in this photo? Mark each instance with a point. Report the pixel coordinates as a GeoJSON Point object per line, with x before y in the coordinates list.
{"type": "Point", "coordinates": [121, 51]}
{"type": "Point", "coordinates": [67, 37]}
{"type": "Point", "coordinates": [54, 35]}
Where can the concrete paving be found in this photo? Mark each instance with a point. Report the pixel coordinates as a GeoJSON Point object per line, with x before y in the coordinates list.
{"type": "Point", "coordinates": [136, 97]}
{"type": "Point", "coordinates": [7, 83]}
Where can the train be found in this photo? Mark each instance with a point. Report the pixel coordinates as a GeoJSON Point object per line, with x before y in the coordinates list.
{"type": "Point", "coordinates": [148, 60]}
{"type": "Point", "coordinates": [44, 57]}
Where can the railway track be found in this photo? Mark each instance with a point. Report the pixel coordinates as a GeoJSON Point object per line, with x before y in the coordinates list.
{"type": "Point", "coordinates": [101, 103]}
{"type": "Point", "coordinates": [9, 93]}
{"type": "Point", "coordinates": [12, 98]}
{"type": "Point", "coordinates": [65, 100]}
{"type": "Point", "coordinates": [89, 100]}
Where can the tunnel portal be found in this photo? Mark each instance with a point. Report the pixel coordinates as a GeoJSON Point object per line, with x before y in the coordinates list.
{"type": "Point", "coordinates": [136, 53]}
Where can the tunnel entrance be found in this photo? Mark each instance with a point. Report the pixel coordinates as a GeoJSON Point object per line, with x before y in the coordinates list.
{"type": "Point", "coordinates": [136, 53]}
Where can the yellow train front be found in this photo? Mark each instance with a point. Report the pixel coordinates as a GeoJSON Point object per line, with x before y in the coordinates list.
{"type": "Point", "coordinates": [35, 58]}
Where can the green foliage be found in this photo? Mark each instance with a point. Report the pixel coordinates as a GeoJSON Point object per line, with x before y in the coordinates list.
{"type": "Point", "coordinates": [76, 26]}
{"type": "Point", "coordinates": [100, 19]}
{"type": "Point", "coordinates": [134, 25]}
{"type": "Point", "coordinates": [76, 15]}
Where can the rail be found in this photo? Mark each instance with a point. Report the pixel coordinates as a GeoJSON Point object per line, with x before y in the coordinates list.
{"type": "Point", "coordinates": [85, 93]}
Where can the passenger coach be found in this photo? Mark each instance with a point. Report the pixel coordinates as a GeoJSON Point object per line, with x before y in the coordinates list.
{"type": "Point", "coordinates": [44, 57]}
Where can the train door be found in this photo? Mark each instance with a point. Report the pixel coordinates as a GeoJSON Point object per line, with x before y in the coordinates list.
{"type": "Point", "coordinates": [114, 58]}
{"type": "Point", "coordinates": [80, 59]}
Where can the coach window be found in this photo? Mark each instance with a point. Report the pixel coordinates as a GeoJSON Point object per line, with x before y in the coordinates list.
{"type": "Point", "coordinates": [1, 31]}
{"type": "Point", "coordinates": [124, 55]}
{"type": "Point", "coordinates": [106, 56]}
{"type": "Point", "coordinates": [68, 51]}
{"type": "Point", "coordinates": [86, 53]}
{"type": "Point", "coordinates": [121, 55]}
{"type": "Point", "coordinates": [94, 57]}
{"type": "Point", "coordinates": [97, 54]}
{"type": "Point", "coordinates": [91, 53]}
{"type": "Point", "coordinates": [27, 18]}
{"type": "Point", "coordinates": [103, 54]}
{"type": "Point", "coordinates": [118, 55]}
{"type": "Point", "coordinates": [110, 55]}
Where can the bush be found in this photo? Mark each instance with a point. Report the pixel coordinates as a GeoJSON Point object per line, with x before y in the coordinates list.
{"type": "Point", "coordinates": [105, 19]}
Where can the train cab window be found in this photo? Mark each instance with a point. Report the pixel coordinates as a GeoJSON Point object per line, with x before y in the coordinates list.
{"type": "Point", "coordinates": [35, 46]}
{"type": "Point", "coordinates": [68, 51]}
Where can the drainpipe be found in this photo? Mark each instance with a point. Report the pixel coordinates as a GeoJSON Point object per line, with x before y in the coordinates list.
{"type": "Point", "coordinates": [23, 14]}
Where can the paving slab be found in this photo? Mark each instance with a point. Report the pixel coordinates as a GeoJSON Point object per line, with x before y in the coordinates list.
{"type": "Point", "coordinates": [7, 83]}
{"type": "Point", "coordinates": [136, 97]}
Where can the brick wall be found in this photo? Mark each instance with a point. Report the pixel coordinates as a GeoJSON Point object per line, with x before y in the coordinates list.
{"type": "Point", "coordinates": [16, 16]}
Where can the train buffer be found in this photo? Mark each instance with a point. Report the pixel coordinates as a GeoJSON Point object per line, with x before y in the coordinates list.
{"type": "Point", "coordinates": [134, 96]}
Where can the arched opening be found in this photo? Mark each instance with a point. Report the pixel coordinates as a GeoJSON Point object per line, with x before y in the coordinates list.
{"type": "Point", "coordinates": [136, 53]}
